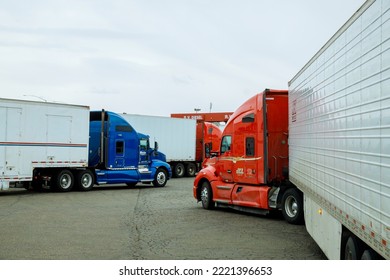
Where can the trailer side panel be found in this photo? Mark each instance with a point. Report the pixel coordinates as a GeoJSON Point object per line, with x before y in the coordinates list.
{"type": "Point", "coordinates": [339, 136]}
{"type": "Point", "coordinates": [176, 137]}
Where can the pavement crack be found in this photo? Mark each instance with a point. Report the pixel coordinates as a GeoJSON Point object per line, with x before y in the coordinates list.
{"type": "Point", "coordinates": [135, 231]}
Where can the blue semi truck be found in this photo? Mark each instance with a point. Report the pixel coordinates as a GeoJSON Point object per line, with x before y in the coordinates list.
{"type": "Point", "coordinates": [119, 154]}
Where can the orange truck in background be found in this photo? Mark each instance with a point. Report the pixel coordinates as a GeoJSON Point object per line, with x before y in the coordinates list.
{"type": "Point", "coordinates": [207, 140]}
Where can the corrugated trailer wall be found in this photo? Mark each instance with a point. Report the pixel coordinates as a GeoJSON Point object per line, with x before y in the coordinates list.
{"type": "Point", "coordinates": [339, 117]}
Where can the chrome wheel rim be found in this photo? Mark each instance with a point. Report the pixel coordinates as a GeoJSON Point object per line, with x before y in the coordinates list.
{"type": "Point", "coordinates": [65, 181]}
{"type": "Point", "coordinates": [291, 207]}
{"type": "Point", "coordinates": [161, 178]}
{"type": "Point", "coordinates": [204, 195]}
{"type": "Point", "coordinates": [86, 181]}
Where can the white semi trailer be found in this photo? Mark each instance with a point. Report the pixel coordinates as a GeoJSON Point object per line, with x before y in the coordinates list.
{"type": "Point", "coordinates": [42, 136]}
{"type": "Point", "coordinates": [176, 137]}
{"type": "Point", "coordinates": [339, 137]}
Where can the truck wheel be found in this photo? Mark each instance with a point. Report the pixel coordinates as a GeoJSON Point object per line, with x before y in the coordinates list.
{"type": "Point", "coordinates": [161, 178]}
{"type": "Point", "coordinates": [292, 206]}
{"type": "Point", "coordinates": [206, 196]}
{"type": "Point", "coordinates": [191, 169]}
{"type": "Point", "coordinates": [352, 249]}
{"type": "Point", "coordinates": [369, 254]}
{"type": "Point", "coordinates": [85, 180]}
{"type": "Point", "coordinates": [179, 170]}
{"type": "Point", "coordinates": [63, 181]}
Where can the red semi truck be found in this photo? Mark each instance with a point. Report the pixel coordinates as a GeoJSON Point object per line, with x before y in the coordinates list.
{"type": "Point", "coordinates": [251, 172]}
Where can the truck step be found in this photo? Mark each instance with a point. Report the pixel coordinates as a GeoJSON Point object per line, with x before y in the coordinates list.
{"type": "Point", "coordinates": [272, 200]}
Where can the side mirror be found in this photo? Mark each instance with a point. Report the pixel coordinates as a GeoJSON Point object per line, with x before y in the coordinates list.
{"type": "Point", "coordinates": [214, 154]}
{"type": "Point", "coordinates": [155, 145]}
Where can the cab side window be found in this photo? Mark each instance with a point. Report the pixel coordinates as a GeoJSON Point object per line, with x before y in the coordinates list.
{"type": "Point", "coordinates": [226, 144]}
{"type": "Point", "coordinates": [250, 146]}
{"type": "Point", "coordinates": [119, 148]}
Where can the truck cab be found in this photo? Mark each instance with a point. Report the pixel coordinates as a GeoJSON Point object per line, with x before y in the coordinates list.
{"type": "Point", "coordinates": [119, 154]}
{"type": "Point", "coordinates": [251, 172]}
{"type": "Point", "coordinates": [148, 153]}
{"type": "Point", "coordinates": [208, 140]}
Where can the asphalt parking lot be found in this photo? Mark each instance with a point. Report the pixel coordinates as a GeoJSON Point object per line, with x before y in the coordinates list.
{"type": "Point", "coordinates": [141, 223]}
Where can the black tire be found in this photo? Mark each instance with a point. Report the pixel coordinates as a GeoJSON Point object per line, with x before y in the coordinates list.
{"type": "Point", "coordinates": [160, 178]}
{"type": "Point", "coordinates": [191, 169]}
{"type": "Point", "coordinates": [85, 180]}
{"type": "Point", "coordinates": [179, 170]}
{"type": "Point", "coordinates": [292, 206]}
{"type": "Point", "coordinates": [370, 254]}
{"type": "Point", "coordinates": [352, 249]}
{"type": "Point", "coordinates": [63, 181]}
{"type": "Point", "coordinates": [206, 196]}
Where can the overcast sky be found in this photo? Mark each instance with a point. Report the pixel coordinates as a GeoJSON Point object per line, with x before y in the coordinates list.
{"type": "Point", "coordinates": [157, 57]}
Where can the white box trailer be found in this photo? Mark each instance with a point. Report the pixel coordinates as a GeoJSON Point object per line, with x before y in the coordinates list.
{"type": "Point", "coordinates": [339, 137]}
{"type": "Point", "coordinates": [41, 136]}
{"type": "Point", "coordinates": [176, 137]}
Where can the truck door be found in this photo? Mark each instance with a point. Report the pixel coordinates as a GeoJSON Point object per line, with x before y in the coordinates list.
{"type": "Point", "coordinates": [143, 151]}
{"type": "Point", "coordinates": [247, 145]}
{"type": "Point", "coordinates": [119, 153]}
{"type": "Point", "coordinates": [224, 168]}
{"type": "Point", "coordinates": [122, 147]}
{"type": "Point", "coordinates": [225, 164]}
